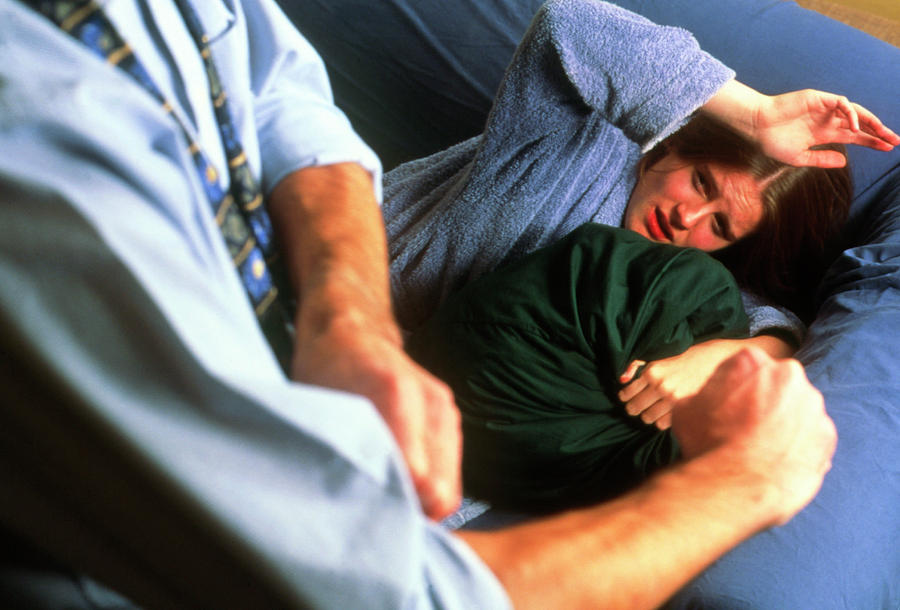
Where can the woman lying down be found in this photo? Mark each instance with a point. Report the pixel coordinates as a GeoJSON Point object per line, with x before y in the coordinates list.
{"type": "Point", "coordinates": [616, 154]}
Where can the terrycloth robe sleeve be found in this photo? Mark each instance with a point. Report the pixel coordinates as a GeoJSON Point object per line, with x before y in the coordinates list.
{"type": "Point", "coordinates": [590, 85]}
{"type": "Point", "coordinates": [585, 58]}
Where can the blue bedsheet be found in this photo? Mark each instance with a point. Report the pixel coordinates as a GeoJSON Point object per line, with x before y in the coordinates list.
{"type": "Point", "coordinates": [416, 76]}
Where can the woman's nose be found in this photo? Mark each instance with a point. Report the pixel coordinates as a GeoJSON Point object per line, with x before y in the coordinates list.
{"type": "Point", "coordinates": [688, 214]}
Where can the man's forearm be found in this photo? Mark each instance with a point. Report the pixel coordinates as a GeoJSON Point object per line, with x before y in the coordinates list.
{"type": "Point", "coordinates": [333, 240]}
{"type": "Point", "coordinates": [332, 236]}
{"type": "Point", "coordinates": [633, 552]}
{"type": "Point", "coordinates": [756, 442]}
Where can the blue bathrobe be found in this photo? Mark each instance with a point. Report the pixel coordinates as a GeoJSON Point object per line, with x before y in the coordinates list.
{"type": "Point", "coordinates": [590, 88]}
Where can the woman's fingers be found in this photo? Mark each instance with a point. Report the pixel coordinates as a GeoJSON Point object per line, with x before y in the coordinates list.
{"type": "Point", "coordinates": [862, 139]}
{"type": "Point", "coordinates": [850, 124]}
{"type": "Point", "coordinates": [793, 125]}
{"type": "Point", "coordinates": [652, 407]}
{"type": "Point", "coordinates": [821, 158]}
{"type": "Point", "coordinates": [849, 111]}
{"type": "Point", "coordinates": [657, 413]}
{"type": "Point", "coordinates": [637, 396]}
{"type": "Point", "coordinates": [865, 129]}
{"type": "Point", "coordinates": [631, 371]}
{"type": "Point", "coordinates": [648, 402]}
{"type": "Point", "coordinates": [664, 422]}
{"type": "Point", "coordinates": [872, 126]}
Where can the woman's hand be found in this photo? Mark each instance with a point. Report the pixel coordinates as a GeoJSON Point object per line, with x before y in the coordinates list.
{"type": "Point", "coordinates": [664, 382]}
{"type": "Point", "coordinates": [790, 125]}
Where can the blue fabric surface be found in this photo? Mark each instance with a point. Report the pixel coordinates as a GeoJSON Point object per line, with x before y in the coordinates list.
{"type": "Point", "coordinates": [442, 67]}
{"type": "Point", "coordinates": [841, 552]}
{"type": "Point", "coordinates": [413, 77]}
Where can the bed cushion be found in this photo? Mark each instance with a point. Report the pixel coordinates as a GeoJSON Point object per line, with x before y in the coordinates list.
{"type": "Point", "coordinates": [416, 76]}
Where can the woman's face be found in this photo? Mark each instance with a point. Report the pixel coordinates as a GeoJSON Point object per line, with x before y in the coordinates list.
{"type": "Point", "coordinates": [699, 205]}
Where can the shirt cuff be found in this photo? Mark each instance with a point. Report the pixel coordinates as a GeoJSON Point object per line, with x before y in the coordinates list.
{"type": "Point", "coordinates": [322, 136]}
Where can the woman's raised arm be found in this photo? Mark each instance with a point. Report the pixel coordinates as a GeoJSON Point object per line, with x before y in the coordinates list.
{"type": "Point", "coordinates": [788, 126]}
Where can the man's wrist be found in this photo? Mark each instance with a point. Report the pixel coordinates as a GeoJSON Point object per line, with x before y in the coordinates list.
{"type": "Point", "coordinates": [729, 491]}
{"type": "Point", "coordinates": [347, 324]}
{"type": "Point", "coordinates": [335, 249]}
{"type": "Point", "coordinates": [338, 309]}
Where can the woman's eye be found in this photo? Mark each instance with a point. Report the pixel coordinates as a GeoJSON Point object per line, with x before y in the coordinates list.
{"type": "Point", "coordinates": [720, 227]}
{"type": "Point", "coordinates": [700, 182]}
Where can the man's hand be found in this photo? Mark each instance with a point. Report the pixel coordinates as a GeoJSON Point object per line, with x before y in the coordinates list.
{"type": "Point", "coordinates": [418, 408]}
{"type": "Point", "coordinates": [763, 417]}
{"type": "Point", "coordinates": [757, 444]}
{"type": "Point", "coordinates": [331, 232]}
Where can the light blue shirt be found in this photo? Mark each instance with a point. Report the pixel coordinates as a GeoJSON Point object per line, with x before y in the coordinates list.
{"type": "Point", "coordinates": [137, 370]}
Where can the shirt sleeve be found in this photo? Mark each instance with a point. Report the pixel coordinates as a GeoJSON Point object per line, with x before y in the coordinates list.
{"type": "Point", "coordinates": [147, 435]}
{"type": "Point", "coordinates": [593, 59]}
{"type": "Point", "coordinates": [768, 318]}
{"type": "Point", "coordinates": [297, 122]}
{"type": "Point", "coordinates": [125, 458]}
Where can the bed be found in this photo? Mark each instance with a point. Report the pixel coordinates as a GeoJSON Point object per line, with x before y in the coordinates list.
{"type": "Point", "coordinates": [415, 77]}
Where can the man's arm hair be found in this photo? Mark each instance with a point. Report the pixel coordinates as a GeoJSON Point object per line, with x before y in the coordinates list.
{"type": "Point", "coordinates": [757, 443]}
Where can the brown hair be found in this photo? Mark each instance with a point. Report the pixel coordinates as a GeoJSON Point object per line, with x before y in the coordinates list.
{"type": "Point", "coordinates": [804, 209]}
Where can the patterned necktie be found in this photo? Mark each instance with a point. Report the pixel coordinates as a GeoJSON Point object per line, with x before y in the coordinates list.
{"type": "Point", "coordinates": [239, 210]}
